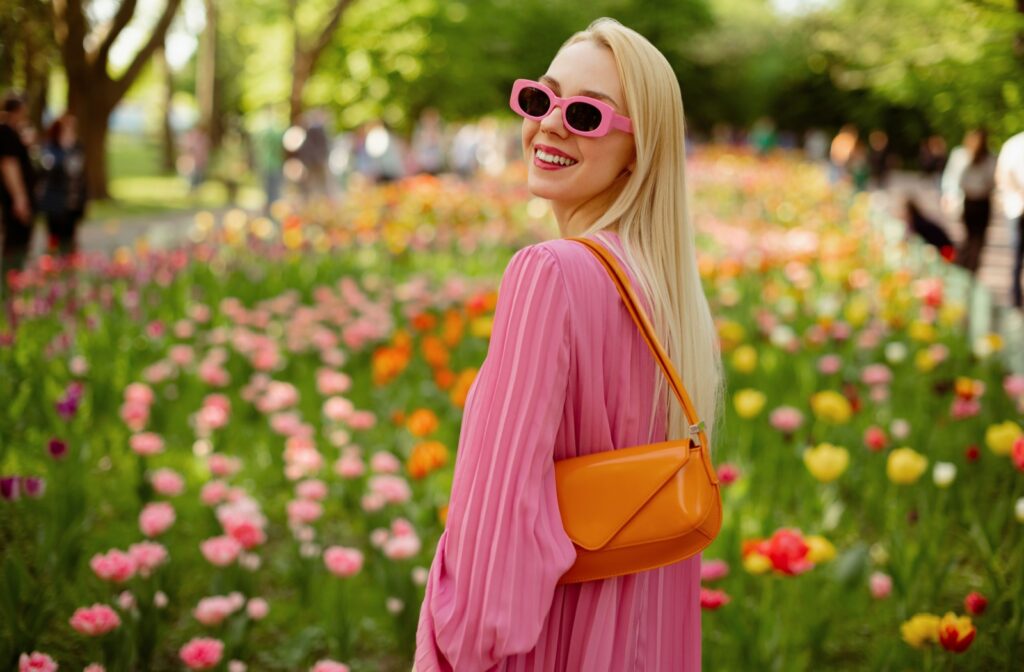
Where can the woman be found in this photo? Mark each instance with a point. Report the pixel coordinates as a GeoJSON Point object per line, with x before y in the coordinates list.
{"type": "Point", "coordinates": [968, 184]}
{"type": "Point", "coordinates": [567, 373]}
{"type": "Point", "coordinates": [62, 188]}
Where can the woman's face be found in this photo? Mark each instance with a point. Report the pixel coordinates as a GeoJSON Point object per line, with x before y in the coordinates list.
{"type": "Point", "coordinates": [587, 69]}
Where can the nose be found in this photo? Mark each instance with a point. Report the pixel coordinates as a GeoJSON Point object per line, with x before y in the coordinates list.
{"type": "Point", "coordinates": [554, 123]}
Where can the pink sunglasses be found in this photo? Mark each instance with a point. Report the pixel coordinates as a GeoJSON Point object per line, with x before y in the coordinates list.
{"type": "Point", "coordinates": [582, 115]}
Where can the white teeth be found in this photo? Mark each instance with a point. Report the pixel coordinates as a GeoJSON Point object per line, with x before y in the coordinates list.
{"type": "Point", "coordinates": [552, 158]}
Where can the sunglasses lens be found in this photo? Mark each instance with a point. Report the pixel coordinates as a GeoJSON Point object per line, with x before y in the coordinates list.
{"type": "Point", "coordinates": [534, 102]}
{"type": "Point", "coordinates": [583, 117]}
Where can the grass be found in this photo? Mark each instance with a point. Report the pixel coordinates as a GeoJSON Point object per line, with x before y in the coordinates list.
{"type": "Point", "coordinates": [139, 186]}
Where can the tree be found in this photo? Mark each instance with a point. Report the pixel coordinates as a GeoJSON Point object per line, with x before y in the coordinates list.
{"type": "Point", "coordinates": [306, 51]}
{"type": "Point", "coordinates": [93, 92]}
{"type": "Point", "coordinates": [26, 52]}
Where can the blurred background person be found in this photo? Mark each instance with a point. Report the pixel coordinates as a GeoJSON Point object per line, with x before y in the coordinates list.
{"type": "Point", "coordinates": [17, 183]}
{"type": "Point", "coordinates": [1010, 185]}
{"type": "Point", "coordinates": [932, 157]}
{"type": "Point", "coordinates": [195, 155]}
{"type": "Point", "coordinates": [315, 153]}
{"type": "Point", "coordinates": [879, 158]}
{"type": "Point", "coordinates": [840, 152]}
{"type": "Point", "coordinates": [816, 146]}
{"type": "Point", "coordinates": [62, 187]}
{"type": "Point", "coordinates": [921, 225]}
{"type": "Point", "coordinates": [427, 143]}
{"type": "Point", "coordinates": [268, 146]}
{"type": "Point", "coordinates": [968, 182]}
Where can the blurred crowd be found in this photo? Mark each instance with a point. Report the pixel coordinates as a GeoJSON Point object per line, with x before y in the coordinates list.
{"type": "Point", "coordinates": [42, 174]}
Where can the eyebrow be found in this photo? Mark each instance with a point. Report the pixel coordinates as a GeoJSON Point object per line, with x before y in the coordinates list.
{"type": "Point", "coordinates": [587, 92]}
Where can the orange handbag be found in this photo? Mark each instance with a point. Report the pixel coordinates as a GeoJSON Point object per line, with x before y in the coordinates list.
{"type": "Point", "coordinates": [633, 509]}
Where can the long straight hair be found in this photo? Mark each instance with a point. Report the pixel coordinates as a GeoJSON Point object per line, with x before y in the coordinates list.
{"type": "Point", "coordinates": [652, 215]}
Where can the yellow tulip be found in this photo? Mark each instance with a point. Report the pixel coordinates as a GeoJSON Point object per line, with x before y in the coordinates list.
{"type": "Point", "coordinates": [481, 326]}
{"type": "Point", "coordinates": [924, 361]}
{"type": "Point", "coordinates": [857, 311]}
{"type": "Point", "coordinates": [744, 359]}
{"type": "Point", "coordinates": [826, 462]}
{"type": "Point", "coordinates": [921, 331]}
{"type": "Point", "coordinates": [921, 629]}
{"type": "Point", "coordinates": [1000, 437]}
{"type": "Point", "coordinates": [905, 465]}
{"type": "Point", "coordinates": [731, 334]}
{"type": "Point", "coordinates": [749, 403]}
{"type": "Point", "coordinates": [756, 563]}
{"type": "Point", "coordinates": [951, 313]}
{"type": "Point", "coordinates": [821, 549]}
{"type": "Point", "coordinates": [831, 407]}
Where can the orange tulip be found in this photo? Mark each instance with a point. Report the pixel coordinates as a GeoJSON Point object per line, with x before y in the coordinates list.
{"type": "Point", "coordinates": [422, 422]}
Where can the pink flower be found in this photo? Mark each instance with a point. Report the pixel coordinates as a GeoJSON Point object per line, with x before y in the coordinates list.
{"type": "Point", "coordinates": [712, 599]}
{"type": "Point", "coordinates": [99, 619]}
{"type": "Point", "coordinates": [126, 600]}
{"type": "Point", "coordinates": [135, 415]}
{"type": "Point", "coordinates": [343, 562]}
{"type": "Point", "coordinates": [876, 374]}
{"type": "Point", "coordinates": [962, 408]}
{"type": "Point", "coordinates": [278, 396]}
{"type": "Point", "coordinates": [220, 551]}
{"type": "Point", "coordinates": [214, 492]}
{"type": "Point", "coordinates": [148, 555]}
{"type": "Point", "coordinates": [311, 489]}
{"type": "Point", "coordinates": [830, 364]}
{"type": "Point", "coordinates": [712, 570]}
{"type": "Point", "coordinates": [237, 666]}
{"type": "Point", "coordinates": [115, 565]}
{"type": "Point", "coordinates": [94, 667]}
{"type": "Point", "coordinates": [384, 462]}
{"type": "Point", "coordinates": [245, 530]}
{"type": "Point", "coordinates": [304, 511]}
{"type": "Point", "coordinates": [223, 465]}
{"type": "Point", "coordinates": [379, 537]}
{"type": "Point", "coordinates": [181, 355]}
{"type": "Point", "coordinates": [1013, 385]}
{"type": "Point", "coordinates": [167, 482]}
{"type": "Point", "coordinates": [1017, 453]}
{"type": "Point", "coordinates": [156, 518]}
{"type": "Point", "coordinates": [146, 443]}
{"type": "Point", "coordinates": [214, 374]}
{"type": "Point", "coordinates": [326, 665]}
{"type": "Point", "coordinates": [881, 585]}
{"type": "Point", "coordinates": [350, 465]}
{"type": "Point", "coordinates": [401, 547]}
{"type": "Point", "coordinates": [257, 608]}
{"type": "Point", "coordinates": [330, 382]}
{"type": "Point", "coordinates": [362, 420]}
{"type": "Point", "coordinates": [202, 653]}
{"type": "Point", "coordinates": [36, 662]}
{"type": "Point", "coordinates": [213, 610]}
{"type": "Point", "coordinates": [392, 489]}
{"type": "Point", "coordinates": [786, 419]}
{"type": "Point", "coordinates": [139, 393]}
{"type": "Point", "coordinates": [338, 409]}
{"type": "Point", "coordinates": [209, 419]}
{"type": "Point", "coordinates": [728, 473]}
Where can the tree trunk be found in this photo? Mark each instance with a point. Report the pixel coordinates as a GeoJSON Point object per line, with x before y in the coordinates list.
{"type": "Point", "coordinates": [93, 122]}
{"type": "Point", "coordinates": [207, 93]}
{"type": "Point", "coordinates": [300, 75]}
{"type": "Point", "coordinates": [169, 155]}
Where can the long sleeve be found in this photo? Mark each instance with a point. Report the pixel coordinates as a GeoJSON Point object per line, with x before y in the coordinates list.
{"type": "Point", "coordinates": [499, 559]}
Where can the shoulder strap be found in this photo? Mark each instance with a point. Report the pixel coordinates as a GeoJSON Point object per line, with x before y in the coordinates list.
{"type": "Point", "coordinates": [622, 284]}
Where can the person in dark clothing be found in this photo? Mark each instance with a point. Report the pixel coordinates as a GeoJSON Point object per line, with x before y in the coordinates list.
{"type": "Point", "coordinates": [929, 231]}
{"type": "Point", "coordinates": [62, 194]}
{"type": "Point", "coordinates": [17, 180]}
{"type": "Point", "coordinates": [977, 182]}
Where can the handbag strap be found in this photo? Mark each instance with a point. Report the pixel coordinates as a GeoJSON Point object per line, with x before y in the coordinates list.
{"type": "Point", "coordinates": [623, 285]}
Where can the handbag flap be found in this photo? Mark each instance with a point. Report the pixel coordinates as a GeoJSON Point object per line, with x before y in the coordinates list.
{"type": "Point", "coordinates": [598, 494]}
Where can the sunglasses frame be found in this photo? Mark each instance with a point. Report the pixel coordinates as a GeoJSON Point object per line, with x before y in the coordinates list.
{"type": "Point", "coordinates": [609, 117]}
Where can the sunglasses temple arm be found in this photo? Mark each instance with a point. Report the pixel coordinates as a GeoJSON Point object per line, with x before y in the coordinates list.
{"type": "Point", "coordinates": [622, 123]}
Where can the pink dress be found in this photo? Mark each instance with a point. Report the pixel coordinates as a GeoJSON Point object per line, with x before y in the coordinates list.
{"type": "Point", "coordinates": [567, 373]}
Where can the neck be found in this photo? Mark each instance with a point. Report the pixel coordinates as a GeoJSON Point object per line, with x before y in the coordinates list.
{"type": "Point", "coordinates": [575, 218]}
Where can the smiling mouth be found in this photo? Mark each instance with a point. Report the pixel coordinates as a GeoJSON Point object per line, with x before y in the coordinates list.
{"type": "Point", "coordinates": [554, 159]}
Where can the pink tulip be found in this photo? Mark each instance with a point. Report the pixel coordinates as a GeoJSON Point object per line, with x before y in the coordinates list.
{"type": "Point", "coordinates": [401, 547]}
{"type": "Point", "coordinates": [392, 489]}
{"type": "Point", "coordinates": [213, 493]}
{"type": "Point", "coordinates": [116, 566]}
{"type": "Point", "coordinates": [156, 518]}
{"type": "Point", "coordinates": [876, 374]}
{"type": "Point", "coordinates": [350, 465]}
{"type": "Point", "coordinates": [213, 610]}
{"type": "Point", "coordinates": [362, 420]}
{"type": "Point", "coordinates": [786, 419]}
{"type": "Point", "coordinates": [712, 599]}
{"type": "Point", "coordinates": [830, 364]}
{"type": "Point", "coordinates": [36, 662]}
{"type": "Point", "coordinates": [148, 555]}
{"type": "Point", "coordinates": [728, 473]}
{"type": "Point", "coordinates": [881, 585]}
{"type": "Point", "coordinates": [146, 443]}
{"type": "Point", "coordinates": [94, 621]}
{"type": "Point", "coordinates": [713, 570]}
{"type": "Point", "coordinates": [338, 409]}
{"type": "Point", "coordinates": [330, 382]}
{"type": "Point", "coordinates": [220, 551]}
{"type": "Point", "coordinates": [222, 465]}
{"type": "Point", "coordinates": [384, 462]}
{"type": "Point", "coordinates": [167, 482]}
{"type": "Point", "coordinates": [1013, 385]}
{"type": "Point", "coordinates": [139, 393]}
{"type": "Point", "coordinates": [202, 653]}
{"type": "Point", "coordinates": [135, 415]}
{"type": "Point", "coordinates": [304, 511]}
{"type": "Point", "coordinates": [343, 562]}
{"type": "Point", "coordinates": [94, 667]}
{"type": "Point", "coordinates": [329, 666]}
{"type": "Point", "coordinates": [257, 608]}
{"type": "Point", "coordinates": [313, 489]}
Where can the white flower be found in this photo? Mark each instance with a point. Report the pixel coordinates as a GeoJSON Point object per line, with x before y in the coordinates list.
{"type": "Point", "coordinates": [1019, 510]}
{"type": "Point", "coordinates": [944, 474]}
{"type": "Point", "coordinates": [895, 352]}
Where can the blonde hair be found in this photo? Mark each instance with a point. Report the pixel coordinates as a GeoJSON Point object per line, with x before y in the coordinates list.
{"type": "Point", "coordinates": [652, 215]}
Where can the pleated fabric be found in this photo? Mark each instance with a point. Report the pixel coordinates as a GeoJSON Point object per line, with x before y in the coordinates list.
{"type": "Point", "coordinates": [567, 373]}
